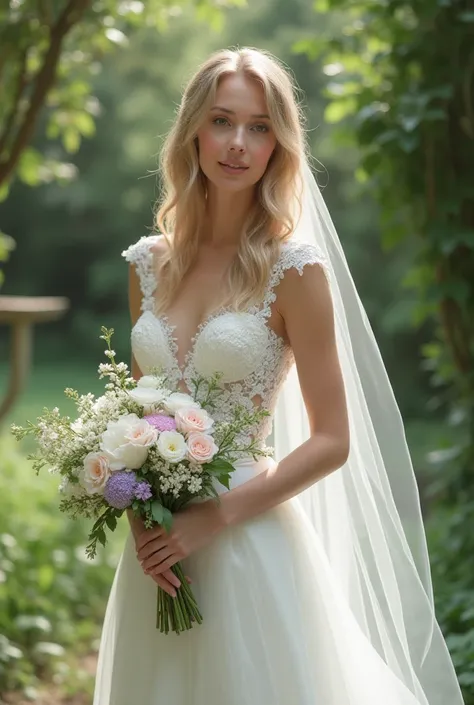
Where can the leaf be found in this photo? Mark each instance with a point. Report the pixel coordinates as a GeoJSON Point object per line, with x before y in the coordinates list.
{"type": "Point", "coordinates": [101, 536]}
{"type": "Point", "coordinates": [435, 114]}
{"type": "Point", "coordinates": [431, 350]}
{"type": "Point", "coordinates": [71, 139]}
{"type": "Point", "coordinates": [461, 238]}
{"type": "Point", "coordinates": [96, 525]}
{"type": "Point", "coordinates": [409, 142]}
{"type": "Point", "coordinates": [111, 521]}
{"type": "Point", "coordinates": [215, 467]}
{"type": "Point", "coordinates": [157, 512]}
{"type": "Point", "coordinates": [29, 166]}
{"type": "Point", "coordinates": [49, 648]}
{"type": "Point", "coordinates": [340, 109]}
{"type": "Point", "coordinates": [4, 190]}
{"type": "Point", "coordinates": [85, 124]}
{"type": "Point", "coordinates": [224, 479]}
{"type": "Point", "coordinates": [167, 519]}
{"type": "Point", "coordinates": [311, 47]}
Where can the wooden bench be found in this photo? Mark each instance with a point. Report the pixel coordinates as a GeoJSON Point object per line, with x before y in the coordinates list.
{"type": "Point", "coordinates": [21, 313]}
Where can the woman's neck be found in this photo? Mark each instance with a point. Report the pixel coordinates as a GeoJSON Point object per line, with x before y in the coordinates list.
{"type": "Point", "coordinates": [226, 214]}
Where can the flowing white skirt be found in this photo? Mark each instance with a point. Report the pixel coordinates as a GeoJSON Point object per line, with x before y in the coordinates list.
{"type": "Point", "coordinates": [277, 630]}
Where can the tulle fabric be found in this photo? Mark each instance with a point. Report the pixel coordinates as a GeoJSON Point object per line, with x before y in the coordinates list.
{"type": "Point", "coordinates": [277, 627]}
{"type": "Point", "coordinates": [367, 514]}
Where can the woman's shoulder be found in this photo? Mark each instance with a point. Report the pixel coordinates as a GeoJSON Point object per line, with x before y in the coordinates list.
{"type": "Point", "coordinates": [143, 251]}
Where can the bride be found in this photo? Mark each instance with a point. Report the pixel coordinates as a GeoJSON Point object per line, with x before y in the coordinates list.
{"type": "Point", "coordinates": [312, 571]}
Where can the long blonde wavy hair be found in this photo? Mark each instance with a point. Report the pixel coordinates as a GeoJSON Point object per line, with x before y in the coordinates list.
{"type": "Point", "coordinates": [182, 206]}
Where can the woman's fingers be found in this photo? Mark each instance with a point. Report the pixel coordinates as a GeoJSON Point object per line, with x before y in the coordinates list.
{"type": "Point", "coordinates": [172, 578]}
{"type": "Point", "coordinates": [165, 584]}
{"type": "Point", "coordinates": [150, 548]}
{"type": "Point", "coordinates": [147, 536]}
{"type": "Point", "coordinates": [156, 559]}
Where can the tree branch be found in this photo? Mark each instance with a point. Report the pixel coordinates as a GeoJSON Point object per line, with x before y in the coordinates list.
{"type": "Point", "coordinates": [10, 120]}
{"type": "Point", "coordinates": [43, 83]}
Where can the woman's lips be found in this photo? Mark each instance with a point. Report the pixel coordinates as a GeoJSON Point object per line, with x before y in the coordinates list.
{"type": "Point", "coordinates": [233, 169]}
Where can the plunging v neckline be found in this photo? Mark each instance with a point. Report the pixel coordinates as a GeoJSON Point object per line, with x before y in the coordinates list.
{"type": "Point", "coordinates": [170, 329]}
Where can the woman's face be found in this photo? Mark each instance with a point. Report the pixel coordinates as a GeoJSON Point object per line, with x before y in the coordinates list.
{"type": "Point", "coordinates": [236, 139]}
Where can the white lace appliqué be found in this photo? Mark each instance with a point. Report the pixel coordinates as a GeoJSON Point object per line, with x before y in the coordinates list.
{"type": "Point", "coordinates": [252, 359]}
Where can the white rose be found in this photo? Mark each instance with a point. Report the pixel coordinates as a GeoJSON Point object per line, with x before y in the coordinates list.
{"type": "Point", "coordinates": [95, 472]}
{"type": "Point", "coordinates": [179, 400]}
{"type": "Point", "coordinates": [201, 447]}
{"type": "Point", "coordinates": [193, 419]}
{"type": "Point", "coordinates": [149, 381]}
{"type": "Point", "coordinates": [172, 446]}
{"type": "Point", "coordinates": [126, 442]}
{"type": "Point", "coordinates": [147, 396]}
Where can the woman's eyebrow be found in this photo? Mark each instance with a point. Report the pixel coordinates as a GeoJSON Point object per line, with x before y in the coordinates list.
{"type": "Point", "coordinates": [231, 112]}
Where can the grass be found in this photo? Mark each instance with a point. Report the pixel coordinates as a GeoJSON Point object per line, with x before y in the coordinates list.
{"type": "Point", "coordinates": [45, 387]}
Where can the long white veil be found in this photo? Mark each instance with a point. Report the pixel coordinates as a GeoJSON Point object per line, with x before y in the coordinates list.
{"type": "Point", "coordinates": [367, 513]}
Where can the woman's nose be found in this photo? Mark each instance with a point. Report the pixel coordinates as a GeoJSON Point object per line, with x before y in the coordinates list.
{"type": "Point", "coordinates": [237, 141]}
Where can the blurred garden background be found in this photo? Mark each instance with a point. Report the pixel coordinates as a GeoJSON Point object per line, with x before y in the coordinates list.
{"type": "Point", "coordinates": [87, 91]}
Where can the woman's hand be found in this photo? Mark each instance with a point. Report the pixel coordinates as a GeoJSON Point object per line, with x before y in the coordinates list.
{"type": "Point", "coordinates": [193, 528]}
{"type": "Point", "coordinates": [168, 581]}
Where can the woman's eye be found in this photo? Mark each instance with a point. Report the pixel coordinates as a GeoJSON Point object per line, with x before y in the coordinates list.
{"type": "Point", "coordinates": [220, 121]}
{"type": "Point", "coordinates": [261, 128]}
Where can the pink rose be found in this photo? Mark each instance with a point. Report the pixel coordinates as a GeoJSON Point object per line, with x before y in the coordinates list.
{"type": "Point", "coordinates": [201, 447]}
{"type": "Point", "coordinates": [193, 420]}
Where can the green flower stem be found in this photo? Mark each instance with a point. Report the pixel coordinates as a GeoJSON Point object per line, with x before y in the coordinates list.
{"type": "Point", "coordinates": [180, 604]}
{"type": "Point", "coordinates": [175, 607]}
{"type": "Point", "coordinates": [178, 613]}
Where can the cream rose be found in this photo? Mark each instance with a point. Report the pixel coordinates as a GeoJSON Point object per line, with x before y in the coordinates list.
{"type": "Point", "coordinates": [201, 447]}
{"type": "Point", "coordinates": [172, 446]}
{"type": "Point", "coordinates": [95, 472]}
{"type": "Point", "coordinates": [126, 442]}
{"type": "Point", "coordinates": [179, 400]}
{"type": "Point", "coordinates": [192, 419]}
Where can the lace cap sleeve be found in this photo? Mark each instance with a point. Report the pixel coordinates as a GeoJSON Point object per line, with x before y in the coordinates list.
{"type": "Point", "coordinates": [140, 255]}
{"type": "Point", "coordinates": [297, 254]}
{"type": "Point", "coordinates": [294, 254]}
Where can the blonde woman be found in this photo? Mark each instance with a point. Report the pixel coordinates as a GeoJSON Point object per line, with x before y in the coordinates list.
{"type": "Point", "coordinates": [312, 591]}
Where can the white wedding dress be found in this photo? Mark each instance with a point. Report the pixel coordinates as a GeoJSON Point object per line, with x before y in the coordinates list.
{"type": "Point", "coordinates": [277, 627]}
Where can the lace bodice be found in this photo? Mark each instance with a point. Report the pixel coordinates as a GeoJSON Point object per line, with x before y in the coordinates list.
{"type": "Point", "coordinates": [253, 360]}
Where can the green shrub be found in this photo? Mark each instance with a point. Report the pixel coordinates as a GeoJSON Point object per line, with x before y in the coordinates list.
{"type": "Point", "coordinates": [52, 597]}
{"type": "Point", "coordinates": [451, 542]}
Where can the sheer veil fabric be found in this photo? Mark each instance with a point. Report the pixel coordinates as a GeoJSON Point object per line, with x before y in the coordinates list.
{"type": "Point", "coordinates": [367, 513]}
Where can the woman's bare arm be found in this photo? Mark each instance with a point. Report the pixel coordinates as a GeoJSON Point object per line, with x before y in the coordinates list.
{"type": "Point", "coordinates": [305, 303]}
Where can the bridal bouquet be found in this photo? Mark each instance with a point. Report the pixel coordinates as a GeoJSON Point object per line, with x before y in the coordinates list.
{"type": "Point", "coordinates": [144, 447]}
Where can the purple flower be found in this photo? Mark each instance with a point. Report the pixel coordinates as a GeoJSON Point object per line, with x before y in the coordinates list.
{"type": "Point", "coordinates": [119, 491]}
{"type": "Point", "coordinates": [143, 491]}
{"type": "Point", "coordinates": [161, 422]}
